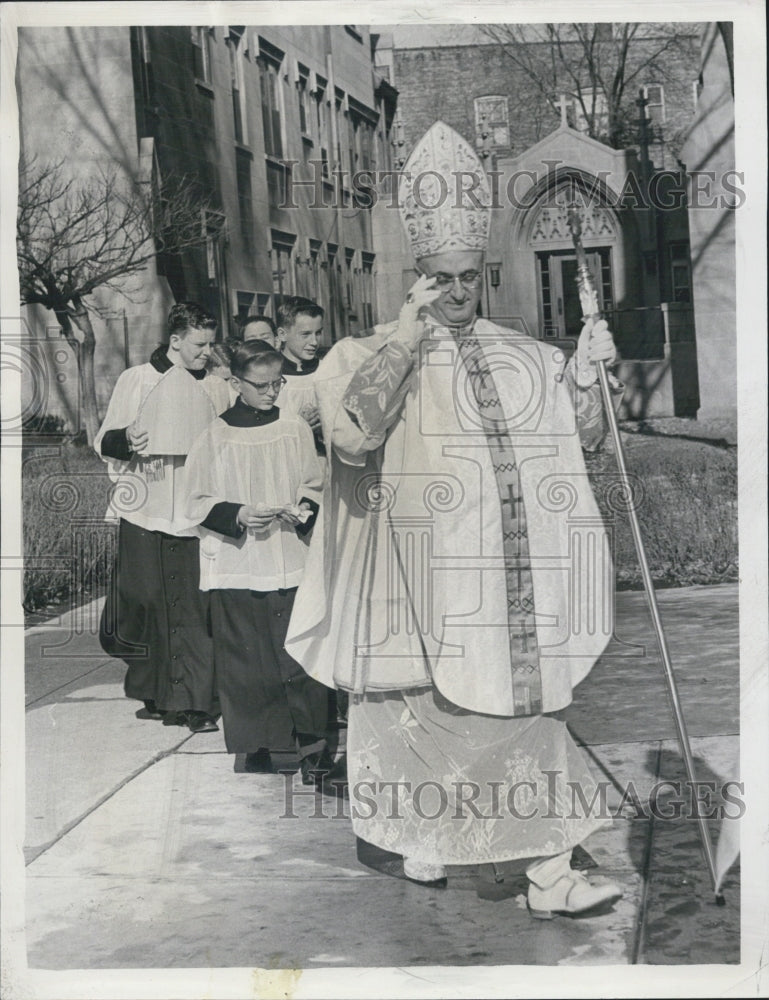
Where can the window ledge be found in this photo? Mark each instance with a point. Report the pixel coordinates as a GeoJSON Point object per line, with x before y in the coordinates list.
{"type": "Point", "coordinates": [307, 139]}
{"type": "Point", "coordinates": [244, 149]}
{"type": "Point", "coordinates": [204, 87]}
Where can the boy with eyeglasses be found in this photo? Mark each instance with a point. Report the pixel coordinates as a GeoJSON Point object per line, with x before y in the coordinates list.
{"type": "Point", "coordinates": [253, 484]}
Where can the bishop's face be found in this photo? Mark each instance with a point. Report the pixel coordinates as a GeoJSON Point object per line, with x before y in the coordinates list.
{"type": "Point", "coordinates": [459, 278]}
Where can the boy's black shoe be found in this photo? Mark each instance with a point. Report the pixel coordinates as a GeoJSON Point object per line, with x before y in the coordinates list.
{"type": "Point", "coordinates": [258, 762]}
{"type": "Point", "coordinates": [152, 709]}
{"type": "Point", "coordinates": [197, 722]}
{"type": "Point", "coordinates": [338, 773]}
{"type": "Point", "coordinates": [316, 766]}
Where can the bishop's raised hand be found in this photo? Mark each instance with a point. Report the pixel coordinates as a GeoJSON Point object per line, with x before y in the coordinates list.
{"type": "Point", "coordinates": [411, 324]}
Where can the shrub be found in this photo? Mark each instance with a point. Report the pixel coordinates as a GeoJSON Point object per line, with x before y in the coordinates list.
{"type": "Point", "coordinates": [45, 424]}
{"type": "Point", "coordinates": [68, 547]}
{"type": "Point", "coordinates": [688, 518]}
{"type": "Point", "coordinates": [688, 512]}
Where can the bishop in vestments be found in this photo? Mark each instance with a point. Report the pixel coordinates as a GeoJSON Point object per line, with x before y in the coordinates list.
{"type": "Point", "coordinates": [459, 581]}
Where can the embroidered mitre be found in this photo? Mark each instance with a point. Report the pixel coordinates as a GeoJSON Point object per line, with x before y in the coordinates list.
{"type": "Point", "coordinates": [444, 195]}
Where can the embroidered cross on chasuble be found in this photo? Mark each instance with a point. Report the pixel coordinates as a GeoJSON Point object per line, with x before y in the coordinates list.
{"type": "Point", "coordinates": [524, 651]}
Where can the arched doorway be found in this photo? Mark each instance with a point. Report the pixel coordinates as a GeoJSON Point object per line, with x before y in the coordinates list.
{"type": "Point", "coordinates": [545, 233]}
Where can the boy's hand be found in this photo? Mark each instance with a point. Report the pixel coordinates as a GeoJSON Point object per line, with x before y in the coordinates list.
{"type": "Point", "coordinates": [295, 514]}
{"type": "Point", "coordinates": [138, 438]}
{"type": "Point", "coordinates": [312, 415]}
{"type": "Point", "coordinates": [258, 518]}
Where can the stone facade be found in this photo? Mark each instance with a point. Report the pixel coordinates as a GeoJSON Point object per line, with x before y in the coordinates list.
{"type": "Point", "coordinates": [710, 149]}
{"type": "Point", "coordinates": [259, 117]}
{"type": "Point", "coordinates": [444, 81]}
{"type": "Point", "coordinates": [639, 246]}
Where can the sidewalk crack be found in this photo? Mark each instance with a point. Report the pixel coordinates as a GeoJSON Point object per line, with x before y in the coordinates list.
{"type": "Point", "coordinates": [39, 850]}
{"type": "Point", "coordinates": [639, 936]}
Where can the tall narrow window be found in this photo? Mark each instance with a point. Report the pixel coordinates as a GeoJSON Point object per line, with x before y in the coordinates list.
{"type": "Point", "coordinates": [341, 132]}
{"type": "Point", "coordinates": [367, 286]}
{"type": "Point", "coordinates": [323, 297]}
{"type": "Point", "coordinates": [269, 75]}
{"type": "Point", "coordinates": [492, 122]}
{"type": "Point", "coordinates": [353, 132]}
{"type": "Point", "coordinates": [303, 96]}
{"type": "Point", "coordinates": [321, 125]}
{"type": "Point", "coordinates": [283, 271]}
{"type": "Point", "coordinates": [349, 275]}
{"type": "Point", "coordinates": [212, 224]}
{"type": "Point", "coordinates": [245, 199]}
{"type": "Point", "coordinates": [245, 301]}
{"type": "Point", "coordinates": [201, 54]}
{"type": "Point", "coordinates": [366, 133]}
{"type": "Point", "coordinates": [277, 182]}
{"type": "Point", "coordinates": [680, 272]}
{"type": "Point", "coordinates": [235, 45]}
{"type": "Point", "coordinates": [148, 80]}
{"type": "Point", "coordinates": [314, 270]}
{"type": "Point", "coordinates": [589, 107]}
{"type": "Point", "coordinates": [338, 312]}
{"type": "Point", "coordinates": [655, 103]}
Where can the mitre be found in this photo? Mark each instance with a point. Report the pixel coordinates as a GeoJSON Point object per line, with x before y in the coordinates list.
{"type": "Point", "coordinates": [444, 195]}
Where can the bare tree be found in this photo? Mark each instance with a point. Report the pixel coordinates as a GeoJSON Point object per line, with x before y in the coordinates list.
{"type": "Point", "coordinates": [75, 236]}
{"type": "Point", "coordinates": [598, 66]}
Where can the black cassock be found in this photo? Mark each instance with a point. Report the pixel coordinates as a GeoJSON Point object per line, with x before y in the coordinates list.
{"type": "Point", "coordinates": [267, 699]}
{"type": "Point", "coordinates": [155, 618]}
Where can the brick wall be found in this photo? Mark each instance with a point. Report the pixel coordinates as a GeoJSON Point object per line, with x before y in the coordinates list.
{"type": "Point", "coordinates": [442, 83]}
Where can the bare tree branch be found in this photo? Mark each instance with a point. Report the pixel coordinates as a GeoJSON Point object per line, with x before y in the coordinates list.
{"type": "Point", "coordinates": [595, 65]}
{"type": "Point", "coordinates": [76, 236]}
{"type": "Point", "coordinates": [73, 237]}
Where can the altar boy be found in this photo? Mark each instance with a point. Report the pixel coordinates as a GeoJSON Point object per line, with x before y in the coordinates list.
{"type": "Point", "coordinates": [253, 483]}
{"type": "Point", "coordinates": [155, 615]}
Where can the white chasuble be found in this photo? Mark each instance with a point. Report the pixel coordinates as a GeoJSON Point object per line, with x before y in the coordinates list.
{"type": "Point", "coordinates": [405, 584]}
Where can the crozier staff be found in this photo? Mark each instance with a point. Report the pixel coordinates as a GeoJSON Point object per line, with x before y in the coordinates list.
{"type": "Point", "coordinates": [446, 588]}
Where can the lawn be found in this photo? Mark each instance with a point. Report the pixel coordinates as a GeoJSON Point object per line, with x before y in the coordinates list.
{"type": "Point", "coordinates": [688, 514]}
{"type": "Point", "coordinates": [687, 508]}
{"type": "Point", "coordinates": [68, 547]}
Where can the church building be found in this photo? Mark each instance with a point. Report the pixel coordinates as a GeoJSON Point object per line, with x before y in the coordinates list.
{"type": "Point", "coordinates": [635, 202]}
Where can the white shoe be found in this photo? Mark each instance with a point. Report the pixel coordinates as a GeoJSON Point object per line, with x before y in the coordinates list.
{"type": "Point", "coordinates": [572, 894]}
{"type": "Point", "coordinates": [425, 873]}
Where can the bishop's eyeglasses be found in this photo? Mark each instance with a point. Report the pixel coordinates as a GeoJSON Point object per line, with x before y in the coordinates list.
{"type": "Point", "coordinates": [469, 280]}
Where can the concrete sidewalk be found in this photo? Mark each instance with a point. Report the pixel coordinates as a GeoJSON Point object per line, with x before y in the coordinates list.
{"type": "Point", "coordinates": [146, 849]}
